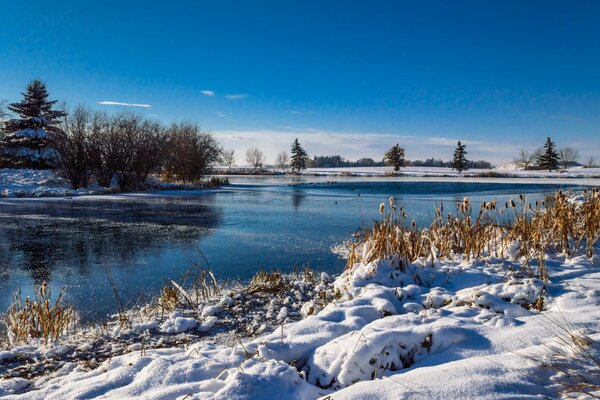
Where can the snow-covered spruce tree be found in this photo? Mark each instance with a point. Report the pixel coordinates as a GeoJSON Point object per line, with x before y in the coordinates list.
{"type": "Point", "coordinates": [548, 158]}
{"type": "Point", "coordinates": [459, 161]}
{"type": "Point", "coordinates": [395, 157]}
{"type": "Point", "coordinates": [299, 157]}
{"type": "Point", "coordinates": [26, 140]}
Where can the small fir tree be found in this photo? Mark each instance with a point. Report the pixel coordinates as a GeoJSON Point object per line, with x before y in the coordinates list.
{"type": "Point", "coordinates": [27, 140]}
{"type": "Point", "coordinates": [299, 157]}
{"type": "Point", "coordinates": [459, 162]}
{"type": "Point", "coordinates": [548, 158]}
{"type": "Point", "coordinates": [395, 157]}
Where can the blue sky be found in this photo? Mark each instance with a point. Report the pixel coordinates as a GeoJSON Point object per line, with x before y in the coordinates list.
{"type": "Point", "coordinates": [346, 77]}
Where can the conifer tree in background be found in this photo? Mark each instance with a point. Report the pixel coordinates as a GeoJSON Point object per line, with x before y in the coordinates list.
{"type": "Point", "coordinates": [299, 157]}
{"type": "Point", "coordinates": [548, 158]}
{"type": "Point", "coordinates": [395, 157]}
{"type": "Point", "coordinates": [26, 140]}
{"type": "Point", "coordinates": [459, 162]}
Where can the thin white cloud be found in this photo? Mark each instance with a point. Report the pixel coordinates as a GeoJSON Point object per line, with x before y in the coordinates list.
{"type": "Point", "coordinates": [565, 117]}
{"type": "Point", "coordinates": [207, 92]}
{"type": "Point", "coordinates": [117, 103]}
{"type": "Point", "coordinates": [298, 112]}
{"type": "Point", "coordinates": [239, 96]}
{"type": "Point", "coordinates": [221, 114]}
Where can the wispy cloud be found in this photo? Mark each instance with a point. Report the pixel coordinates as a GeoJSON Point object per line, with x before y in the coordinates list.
{"type": "Point", "coordinates": [221, 114]}
{"type": "Point", "coordinates": [207, 92]}
{"type": "Point", "coordinates": [298, 112]}
{"type": "Point", "coordinates": [117, 103]}
{"type": "Point", "coordinates": [565, 117]}
{"type": "Point", "coordinates": [239, 96]}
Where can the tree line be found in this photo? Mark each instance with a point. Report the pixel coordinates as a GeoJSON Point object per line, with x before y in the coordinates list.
{"type": "Point", "coordinates": [548, 157]}
{"type": "Point", "coordinates": [89, 145]}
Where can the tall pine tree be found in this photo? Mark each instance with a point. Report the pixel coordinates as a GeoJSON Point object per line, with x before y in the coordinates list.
{"type": "Point", "coordinates": [27, 140]}
{"type": "Point", "coordinates": [299, 157]}
{"type": "Point", "coordinates": [395, 157]}
{"type": "Point", "coordinates": [548, 158]}
{"type": "Point", "coordinates": [459, 162]}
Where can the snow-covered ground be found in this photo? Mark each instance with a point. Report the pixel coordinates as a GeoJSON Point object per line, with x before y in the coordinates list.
{"type": "Point", "coordinates": [36, 183]}
{"type": "Point", "coordinates": [49, 183]}
{"type": "Point", "coordinates": [505, 170]}
{"type": "Point", "coordinates": [430, 329]}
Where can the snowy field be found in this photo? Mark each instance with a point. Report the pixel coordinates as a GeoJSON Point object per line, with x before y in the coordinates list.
{"type": "Point", "coordinates": [505, 170]}
{"type": "Point", "coordinates": [385, 329]}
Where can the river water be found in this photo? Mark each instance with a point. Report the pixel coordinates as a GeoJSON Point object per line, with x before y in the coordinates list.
{"type": "Point", "coordinates": [146, 239]}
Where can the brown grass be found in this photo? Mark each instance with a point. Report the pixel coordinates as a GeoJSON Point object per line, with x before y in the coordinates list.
{"type": "Point", "coordinates": [39, 317]}
{"type": "Point", "coordinates": [553, 225]}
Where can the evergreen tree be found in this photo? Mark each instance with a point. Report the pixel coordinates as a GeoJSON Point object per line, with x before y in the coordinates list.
{"type": "Point", "coordinates": [27, 140]}
{"type": "Point", "coordinates": [299, 157]}
{"type": "Point", "coordinates": [459, 162]}
{"type": "Point", "coordinates": [395, 157]}
{"type": "Point", "coordinates": [548, 158]}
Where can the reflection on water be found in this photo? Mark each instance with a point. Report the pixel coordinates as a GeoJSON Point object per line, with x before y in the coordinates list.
{"type": "Point", "coordinates": [148, 239]}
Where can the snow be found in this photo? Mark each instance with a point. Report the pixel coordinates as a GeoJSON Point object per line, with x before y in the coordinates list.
{"type": "Point", "coordinates": [432, 328]}
{"type": "Point", "coordinates": [509, 170]}
{"type": "Point", "coordinates": [36, 183]}
{"type": "Point", "coordinates": [443, 329]}
{"type": "Point", "coordinates": [178, 323]}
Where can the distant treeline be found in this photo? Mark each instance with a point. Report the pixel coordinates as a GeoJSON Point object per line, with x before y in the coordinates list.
{"type": "Point", "coordinates": [432, 162]}
{"type": "Point", "coordinates": [340, 162]}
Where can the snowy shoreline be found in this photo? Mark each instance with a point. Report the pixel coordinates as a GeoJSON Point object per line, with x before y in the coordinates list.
{"type": "Point", "coordinates": [31, 183]}
{"type": "Point", "coordinates": [452, 327]}
{"type": "Point", "coordinates": [42, 183]}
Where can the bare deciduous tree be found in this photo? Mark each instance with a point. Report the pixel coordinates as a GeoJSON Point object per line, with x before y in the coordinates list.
{"type": "Point", "coordinates": [139, 148]}
{"type": "Point", "coordinates": [130, 147]}
{"type": "Point", "coordinates": [282, 160]}
{"type": "Point", "coordinates": [525, 158]}
{"type": "Point", "coordinates": [229, 158]}
{"type": "Point", "coordinates": [104, 142]}
{"type": "Point", "coordinates": [255, 157]}
{"type": "Point", "coordinates": [567, 156]}
{"type": "Point", "coordinates": [591, 163]}
{"type": "Point", "coordinates": [72, 144]}
{"type": "Point", "coordinates": [191, 153]}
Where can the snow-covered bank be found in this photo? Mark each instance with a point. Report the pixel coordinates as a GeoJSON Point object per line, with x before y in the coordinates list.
{"type": "Point", "coordinates": [456, 326]}
{"type": "Point", "coordinates": [36, 183]}
{"type": "Point", "coordinates": [48, 183]}
{"type": "Point", "coordinates": [449, 330]}
{"type": "Point", "coordinates": [502, 171]}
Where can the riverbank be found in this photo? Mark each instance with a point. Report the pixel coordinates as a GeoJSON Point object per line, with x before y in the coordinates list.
{"type": "Point", "coordinates": [502, 171]}
{"type": "Point", "coordinates": [28, 183]}
{"type": "Point", "coordinates": [487, 322]}
{"type": "Point", "coordinates": [31, 183]}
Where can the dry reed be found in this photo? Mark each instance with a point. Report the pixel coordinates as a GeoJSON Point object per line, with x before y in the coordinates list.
{"type": "Point", "coordinates": [520, 230]}
{"type": "Point", "coordinates": [39, 317]}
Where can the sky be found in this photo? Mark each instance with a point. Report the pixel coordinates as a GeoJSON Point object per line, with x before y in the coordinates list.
{"type": "Point", "coordinates": [345, 77]}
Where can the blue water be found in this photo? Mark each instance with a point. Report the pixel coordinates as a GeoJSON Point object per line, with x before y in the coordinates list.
{"type": "Point", "coordinates": [147, 239]}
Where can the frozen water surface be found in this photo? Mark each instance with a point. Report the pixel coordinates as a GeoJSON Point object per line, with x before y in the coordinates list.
{"type": "Point", "coordinates": [268, 222]}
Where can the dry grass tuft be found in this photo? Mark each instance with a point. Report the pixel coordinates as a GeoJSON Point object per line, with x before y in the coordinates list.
{"type": "Point", "coordinates": [267, 282]}
{"type": "Point", "coordinates": [519, 230]}
{"type": "Point", "coordinates": [39, 317]}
